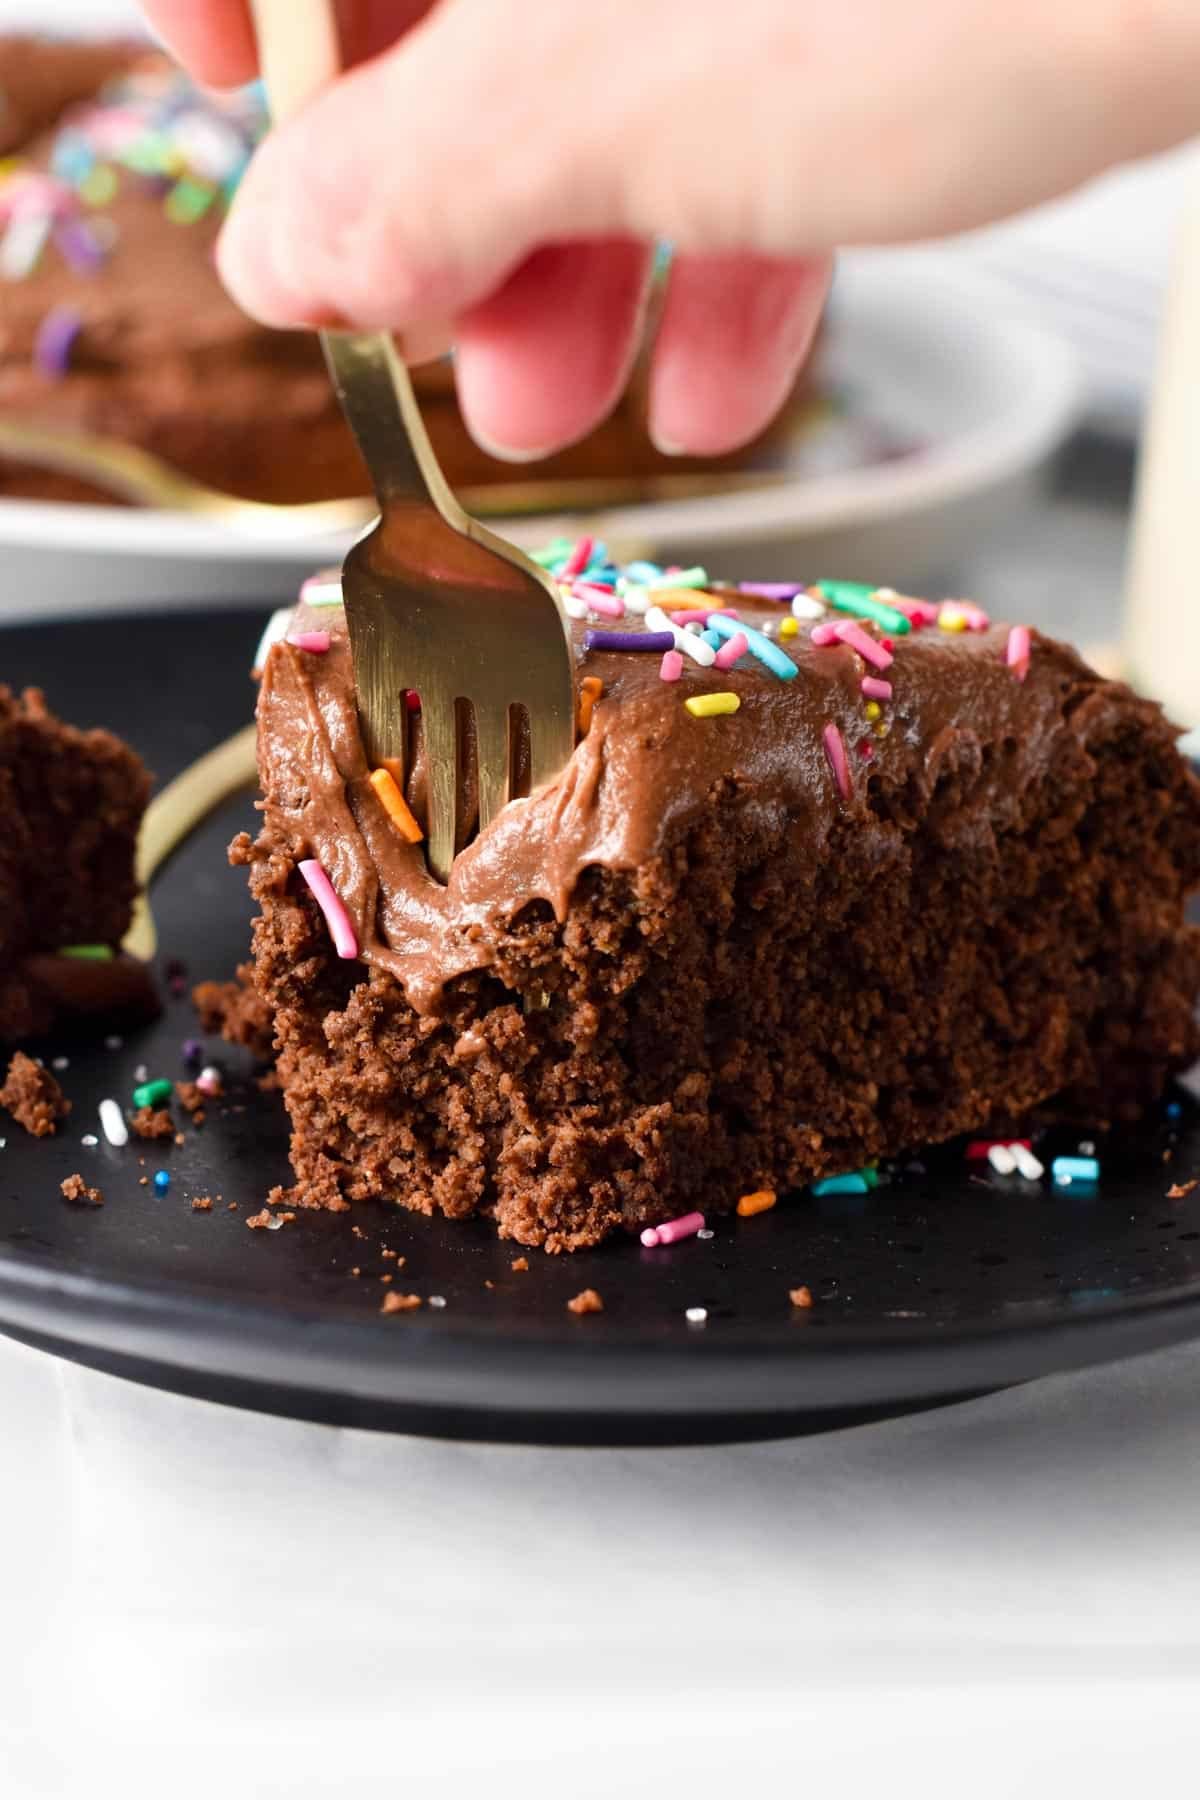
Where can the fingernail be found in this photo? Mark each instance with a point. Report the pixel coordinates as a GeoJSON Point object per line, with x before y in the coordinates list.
{"type": "Point", "coordinates": [508, 452]}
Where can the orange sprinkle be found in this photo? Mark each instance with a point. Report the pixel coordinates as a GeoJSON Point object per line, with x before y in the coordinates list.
{"type": "Point", "coordinates": [590, 690]}
{"type": "Point", "coordinates": [679, 599]}
{"type": "Point", "coordinates": [395, 805]}
{"type": "Point", "coordinates": [762, 1201]}
{"type": "Point", "coordinates": [801, 1297]}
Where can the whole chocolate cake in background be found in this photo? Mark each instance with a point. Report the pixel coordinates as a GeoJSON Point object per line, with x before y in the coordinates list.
{"type": "Point", "coordinates": [832, 874]}
{"type": "Point", "coordinates": [114, 321]}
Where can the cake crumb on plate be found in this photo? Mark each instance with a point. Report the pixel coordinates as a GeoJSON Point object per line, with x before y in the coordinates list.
{"type": "Point", "coordinates": [33, 1097]}
{"type": "Point", "coordinates": [76, 1189]}
{"type": "Point", "coordinates": [587, 1301]}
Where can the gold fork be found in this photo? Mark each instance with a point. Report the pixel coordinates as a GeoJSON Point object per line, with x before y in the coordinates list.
{"type": "Point", "coordinates": [434, 602]}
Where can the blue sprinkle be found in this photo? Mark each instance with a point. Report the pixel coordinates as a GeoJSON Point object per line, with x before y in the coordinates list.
{"type": "Point", "coordinates": [643, 571]}
{"type": "Point", "coordinates": [1066, 1169]}
{"type": "Point", "coordinates": [711, 638]}
{"type": "Point", "coordinates": [1174, 1110]}
{"type": "Point", "coordinates": [841, 1184]}
{"type": "Point", "coordinates": [162, 1181]}
{"type": "Point", "coordinates": [760, 646]}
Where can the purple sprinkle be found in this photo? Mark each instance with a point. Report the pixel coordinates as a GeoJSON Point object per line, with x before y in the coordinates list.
{"type": "Point", "coordinates": [54, 341]}
{"type": "Point", "coordinates": [193, 1050]}
{"type": "Point", "coordinates": [655, 641]}
{"type": "Point", "coordinates": [79, 245]}
{"type": "Point", "coordinates": [772, 590]}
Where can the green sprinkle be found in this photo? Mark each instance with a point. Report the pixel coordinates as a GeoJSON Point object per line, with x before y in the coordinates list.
{"type": "Point", "coordinates": [151, 1092]}
{"type": "Point", "coordinates": [549, 554]}
{"type": "Point", "coordinates": [88, 952]}
{"type": "Point", "coordinates": [189, 201]}
{"type": "Point", "coordinates": [686, 578]}
{"type": "Point", "coordinates": [98, 186]}
{"type": "Point", "coordinates": [870, 1176]}
{"type": "Point", "coordinates": [857, 598]}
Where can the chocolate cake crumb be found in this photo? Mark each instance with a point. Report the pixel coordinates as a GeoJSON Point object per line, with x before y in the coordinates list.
{"type": "Point", "coordinates": [143, 1181]}
{"type": "Point", "coordinates": [800, 1296]}
{"type": "Point", "coordinates": [152, 1122]}
{"type": "Point", "coordinates": [588, 1301]}
{"type": "Point", "coordinates": [1180, 1190]}
{"type": "Point", "coordinates": [202, 1203]}
{"type": "Point", "coordinates": [321, 1193]}
{"type": "Point", "coordinates": [235, 1011]}
{"type": "Point", "coordinates": [33, 1096]}
{"type": "Point", "coordinates": [232, 1207]}
{"type": "Point", "coordinates": [394, 1303]}
{"type": "Point", "coordinates": [191, 1099]}
{"type": "Point", "coordinates": [520, 1264]}
{"type": "Point", "coordinates": [76, 1189]}
{"type": "Point", "coordinates": [260, 1220]}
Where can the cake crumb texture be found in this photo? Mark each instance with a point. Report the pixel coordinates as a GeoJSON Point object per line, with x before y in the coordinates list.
{"type": "Point", "coordinates": [587, 1301]}
{"type": "Point", "coordinates": [33, 1096]}
{"type": "Point", "coordinates": [76, 1189]}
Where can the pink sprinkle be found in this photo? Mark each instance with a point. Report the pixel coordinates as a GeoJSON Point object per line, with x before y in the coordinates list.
{"type": "Point", "coordinates": [867, 647]}
{"type": "Point", "coordinates": [731, 651]}
{"type": "Point", "coordinates": [689, 618]}
{"type": "Point", "coordinates": [835, 750]}
{"type": "Point", "coordinates": [917, 612]}
{"type": "Point", "coordinates": [1018, 651]}
{"type": "Point", "coordinates": [875, 689]}
{"type": "Point", "coordinates": [316, 641]}
{"type": "Point", "coordinates": [866, 749]}
{"type": "Point", "coordinates": [978, 1148]}
{"type": "Point", "coordinates": [671, 666]}
{"type": "Point", "coordinates": [209, 1082]}
{"type": "Point", "coordinates": [977, 619]}
{"type": "Point", "coordinates": [823, 636]}
{"type": "Point", "coordinates": [577, 562]}
{"type": "Point", "coordinates": [599, 599]}
{"type": "Point", "coordinates": [412, 700]}
{"type": "Point", "coordinates": [336, 916]}
{"type": "Point", "coordinates": [674, 1229]}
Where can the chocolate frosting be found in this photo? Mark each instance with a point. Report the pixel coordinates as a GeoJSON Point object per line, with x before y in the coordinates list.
{"type": "Point", "coordinates": [646, 770]}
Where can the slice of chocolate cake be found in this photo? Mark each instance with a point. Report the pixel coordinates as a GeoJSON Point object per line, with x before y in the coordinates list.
{"type": "Point", "coordinates": [71, 803]}
{"type": "Point", "coordinates": [827, 881]}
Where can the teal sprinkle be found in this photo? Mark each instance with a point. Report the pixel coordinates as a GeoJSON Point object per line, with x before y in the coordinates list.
{"type": "Point", "coordinates": [1066, 1169]}
{"type": "Point", "coordinates": [841, 1184]}
{"type": "Point", "coordinates": [767, 652]}
{"type": "Point", "coordinates": [643, 572]}
{"type": "Point", "coordinates": [857, 598]}
{"type": "Point", "coordinates": [711, 638]}
{"type": "Point", "coordinates": [870, 1176]}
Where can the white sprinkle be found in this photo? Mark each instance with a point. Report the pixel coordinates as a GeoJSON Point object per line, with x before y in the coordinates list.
{"type": "Point", "coordinates": [1002, 1159]}
{"type": "Point", "coordinates": [277, 628]}
{"type": "Point", "coordinates": [90, 1141]}
{"type": "Point", "coordinates": [112, 1123]}
{"type": "Point", "coordinates": [209, 1082]}
{"type": "Point", "coordinates": [438, 1300]}
{"type": "Point", "coordinates": [695, 647]}
{"type": "Point", "coordinates": [322, 590]}
{"type": "Point", "coordinates": [23, 243]}
{"type": "Point", "coordinates": [1027, 1163]}
{"type": "Point", "coordinates": [276, 1224]}
{"type": "Point", "coordinates": [706, 1231]}
{"type": "Point", "coordinates": [141, 1073]}
{"type": "Point", "coordinates": [696, 1315]}
{"type": "Point", "coordinates": [636, 598]}
{"type": "Point", "coordinates": [114, 1043]}
{"type": "Point", "coordinates": [3, 1141]}
{"type": "Point", "coordinates": [1086, 1148]}
{"type": "Point", "coordinates": [61, 1062]}
{"type": "Point", "coordinates": [574, 607]}
{"type": "Point", "coordinates": [805, 607]}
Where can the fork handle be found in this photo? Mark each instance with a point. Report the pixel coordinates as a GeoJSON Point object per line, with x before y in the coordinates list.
{"type": "Point", "coordinates": [300, 52]}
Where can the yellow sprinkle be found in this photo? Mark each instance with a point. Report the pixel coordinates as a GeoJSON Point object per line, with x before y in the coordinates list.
{"type": "Point", "coordinates": [706, 706]}
{"type": "Point", "coordinates": [873, 709]}
{"type": "Point", "coordinates": [882, 729]}
{"type": "Point", "coordinates": [951, 619]}
{"type": "Point", "coordinates": [788, 628]}
{"type": "Point", "coordinates": [98, 186]}
{"type": "Point", "coordinates": [590, 690]}
{"type": "Point", "coordinates": [395, 805]}
{"type": "Point", "coordinates": [762, 1201]}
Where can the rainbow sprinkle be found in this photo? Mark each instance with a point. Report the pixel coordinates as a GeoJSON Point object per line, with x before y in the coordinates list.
{"type": "Point", "coordinates": [671, 667]}
{"type": "Point", "coordinates": [751, 1204]}
{"type": "Point", "coordinates": [759, 646]}
{"type": "Point", "coordinates": [687, 1225]}
{"type": "Point", "coordinates": [835, 750]}
{"type": "Point", "coordinates": [710, 706]}
{"type": "Point", "coordinates": [578, 559]}
{"type": "Point", "coordinates": [731, 651]}
{"type": "Point", "coordinates": [878, 655]}
{"type": "Point", "coordinates": [854, 1183]}
{"type": "Point", "coordinates": [395, 805]}
{"type": "Point", "coordinates": [1018, 650]}
{"type": "Point", "coordinates": [654, 642]}
{"type": "Point", "coordinates": [590, 690]}
{"type": "Point", "coordinates": [336, 916]}
{"type": "Point", "coordinates": [316, 642]}
{"type": "Point", "coordinates": [856, 597]}
{"type": "Point", "coordinates": [875, 689]}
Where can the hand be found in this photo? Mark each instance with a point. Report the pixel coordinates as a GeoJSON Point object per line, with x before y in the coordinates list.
{"type": "Point", "coordinates": [507, 164]}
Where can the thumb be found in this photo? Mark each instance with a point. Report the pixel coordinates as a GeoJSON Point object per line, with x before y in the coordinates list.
{"type": "Point", "coordinates": [413, 186]}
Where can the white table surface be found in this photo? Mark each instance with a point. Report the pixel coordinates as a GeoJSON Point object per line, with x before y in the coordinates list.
{"type": "Point", "coordinates": [1000, 1597]}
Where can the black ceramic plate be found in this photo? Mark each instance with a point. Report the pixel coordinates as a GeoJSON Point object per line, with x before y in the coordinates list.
{"type": "Point", "coordinates": [942, 1284]}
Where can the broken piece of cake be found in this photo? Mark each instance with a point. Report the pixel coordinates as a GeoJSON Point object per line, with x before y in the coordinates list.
{"type": "Point", "coordinates": [831, 874]}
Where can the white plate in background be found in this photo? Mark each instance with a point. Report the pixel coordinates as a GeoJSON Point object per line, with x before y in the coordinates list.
{"type": "Point", "coordinates": [924, 351]}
